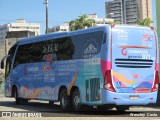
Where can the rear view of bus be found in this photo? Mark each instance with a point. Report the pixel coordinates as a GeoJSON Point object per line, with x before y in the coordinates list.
{"type": "Point", "coordinates": [132, 78]}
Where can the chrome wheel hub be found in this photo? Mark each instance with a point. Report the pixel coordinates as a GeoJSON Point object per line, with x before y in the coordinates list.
{"type": "Point", "coordinates": [76, 100]}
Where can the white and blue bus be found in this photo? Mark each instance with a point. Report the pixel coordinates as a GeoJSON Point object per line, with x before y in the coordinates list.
{"type": "Point", "coordinates": [108, 65]}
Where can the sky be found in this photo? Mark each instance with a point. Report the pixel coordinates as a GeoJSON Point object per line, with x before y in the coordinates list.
{"type": "Point", "coordinates": [59, 10]}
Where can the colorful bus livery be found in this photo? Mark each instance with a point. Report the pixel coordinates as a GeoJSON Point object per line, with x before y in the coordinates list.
{"type": "Point", "coordinates": [107, 65]}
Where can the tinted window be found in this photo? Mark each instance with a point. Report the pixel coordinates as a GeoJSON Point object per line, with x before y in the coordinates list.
{"type": "Point", "coordinates": [29, 53]}
{"type": "Point", "coordinates": [75, 47]}
{"type": "Point", "coordinates": [12, 50]}
{"type": "Point", "coordinates": [87, 45]}
{"type": "Point", "coordinates": [11, 55]}
{"type": "Point", "coordinates": [8, 67]}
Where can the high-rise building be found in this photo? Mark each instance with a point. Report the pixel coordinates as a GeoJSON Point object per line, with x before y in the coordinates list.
{"type": "Point", "coordinates": [12, 32]}
{"type": "Point", "coordinates": [158, 17]}
{"type": "Point", "coordinates": [129, 11]}
{"type": "Point", "coordinates": [144, 9]}
{"type": "Point", "coordinates": [116, 8]}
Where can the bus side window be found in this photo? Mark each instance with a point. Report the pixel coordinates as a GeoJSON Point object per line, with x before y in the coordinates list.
{"type": "Point", "coordinates": [83, 42]}
{"type": "Point", "coordinates": [8, 67]}
{"type": "Point", "coordinates": [9, 60]}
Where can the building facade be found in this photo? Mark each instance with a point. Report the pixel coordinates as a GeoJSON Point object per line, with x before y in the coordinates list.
{"type": "Point", "coordinates": [65, 27]}
{"type": "Point", "coordinates": [10, 33]}
{"type": "Point", "coordinates": [129, 11]}
{"type": "Point", "coordinates": [60, 28]}
{"type": "Point", "coordinates": [100, 21]}
{"type": "Point", "coordinates": [144, 9]}
{"type": "Point", "coordinates": [116, 8]}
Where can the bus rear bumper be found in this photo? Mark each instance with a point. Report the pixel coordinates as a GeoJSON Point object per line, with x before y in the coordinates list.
{"type": "Point", "coordinates": [128, 98]}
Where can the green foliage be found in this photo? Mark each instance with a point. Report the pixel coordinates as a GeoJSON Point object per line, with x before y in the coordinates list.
{"type": "Point", "coordinates": [81, 23]}
{"type": "Point", "coordinates": [115, 22]}
{"type": "Point", "coordinates": [145, 22]}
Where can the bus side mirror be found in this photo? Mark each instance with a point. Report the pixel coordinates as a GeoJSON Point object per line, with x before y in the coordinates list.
{"type": "Point", "coordinates": [2, 64]}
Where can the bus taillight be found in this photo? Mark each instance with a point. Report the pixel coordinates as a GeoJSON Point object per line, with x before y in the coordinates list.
{"type": "Point", "coordinates": [108, 82]}
{"type": "Point", "coordinates": [155, 86]}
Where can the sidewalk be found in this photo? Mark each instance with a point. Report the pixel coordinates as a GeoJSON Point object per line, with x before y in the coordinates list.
{"type": "Point", "coordinates": [1, 95]}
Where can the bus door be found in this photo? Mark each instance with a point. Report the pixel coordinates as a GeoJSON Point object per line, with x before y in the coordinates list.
{"type": "Point", "coordinates": [7, 74]}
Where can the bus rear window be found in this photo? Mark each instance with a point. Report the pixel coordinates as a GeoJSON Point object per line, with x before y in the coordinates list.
{"type": "Point", "coordinates": [133, 37]}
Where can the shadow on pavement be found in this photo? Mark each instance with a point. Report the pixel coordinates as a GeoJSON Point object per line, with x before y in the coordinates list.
{"type": "Point", "coordinates": [157, 105]}
{"type": "Point", "coordinates": [54, 110]}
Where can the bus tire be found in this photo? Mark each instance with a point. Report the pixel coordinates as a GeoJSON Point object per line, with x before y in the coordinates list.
{"type": "Point", "coordinates": [76, 100]}
{"type": "Point", "coordinates": [15, 95]}
{"type": "Point", "coordinates": [64, 100]}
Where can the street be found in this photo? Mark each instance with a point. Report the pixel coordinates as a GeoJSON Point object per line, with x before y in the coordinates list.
{"type": "Point", "coordinates": [47, 110]}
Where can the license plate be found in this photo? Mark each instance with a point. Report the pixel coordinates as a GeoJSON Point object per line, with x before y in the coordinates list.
{"type": "Point", "coordinates": [134, 97]}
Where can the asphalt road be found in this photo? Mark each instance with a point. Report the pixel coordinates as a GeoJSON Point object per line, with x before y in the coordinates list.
{"type": "Point", "coordinates": [47, 110]}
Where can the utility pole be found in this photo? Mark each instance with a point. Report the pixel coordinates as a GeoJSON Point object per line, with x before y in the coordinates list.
{"type": "Point", "coordinates": [46, 2]}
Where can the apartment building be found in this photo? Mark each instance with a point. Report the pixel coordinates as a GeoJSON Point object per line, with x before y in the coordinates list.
{"type": "Point", "coordinates": [59, 28]}
{"type": "Point", "coordinates": [129, 11]}
{"type": "Point", "coordinates": [144, 9]}
{"type": "Point", "coordinates": [65, 26]}
{"type": "Point", "coordinates": [10, 33]}
{"type": "Point", "coordinates": [116, 8]}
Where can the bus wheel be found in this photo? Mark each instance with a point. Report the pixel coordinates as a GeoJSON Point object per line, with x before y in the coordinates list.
{"type": "Point", "coordinates": [15, 95]}
{"type": "Point", "coordinates": [64, 100]}
{"type": "Point", "coordinates": [76, 100]}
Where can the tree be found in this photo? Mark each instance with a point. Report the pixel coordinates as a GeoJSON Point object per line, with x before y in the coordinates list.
{"type": "Point", "coordinates": [145, 22]}
{"type": "Point", "coordinates": [81, 23]}
{"type": "Point", "coordinates": [115, 22]}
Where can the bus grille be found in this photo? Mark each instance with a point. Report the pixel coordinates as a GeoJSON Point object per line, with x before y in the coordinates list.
{"type": "Point", "coordinates": [133, 63]}
{"type": "Point", "coordinates": [93, 89]}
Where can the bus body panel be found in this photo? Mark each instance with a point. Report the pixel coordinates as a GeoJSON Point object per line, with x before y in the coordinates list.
{"type": "Point", "coordinates": [136, 56]}
{"type": "Point", "coordinates": [42, 80]}
{"type": "Point", "coordinates": [133, 61]}
{"type": "Point", "coordinates": [34, 81]}
{"type": "Point", "coordinates": [86, 70]}
{"type": "Point", "coordinates": [115, 98]}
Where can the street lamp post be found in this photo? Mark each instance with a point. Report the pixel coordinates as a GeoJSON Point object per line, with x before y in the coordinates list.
{"type": "Point", "coordinates": [107, 15]}
{"type": "Point", "coordinates": [46, 2]}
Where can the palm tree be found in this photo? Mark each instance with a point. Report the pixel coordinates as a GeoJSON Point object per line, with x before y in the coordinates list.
{"type": "Point", "coordinates": [81, 23]}
{"type": "Point", "coordinates": [145, 22]}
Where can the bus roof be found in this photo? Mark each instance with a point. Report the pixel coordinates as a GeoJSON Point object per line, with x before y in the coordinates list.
{"type": "Point", "coordinates": [58, 35]}
{"type": "Point", "coordinates": [65, 34]}
{"type": "Point", "coordinates": [37, 38]}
